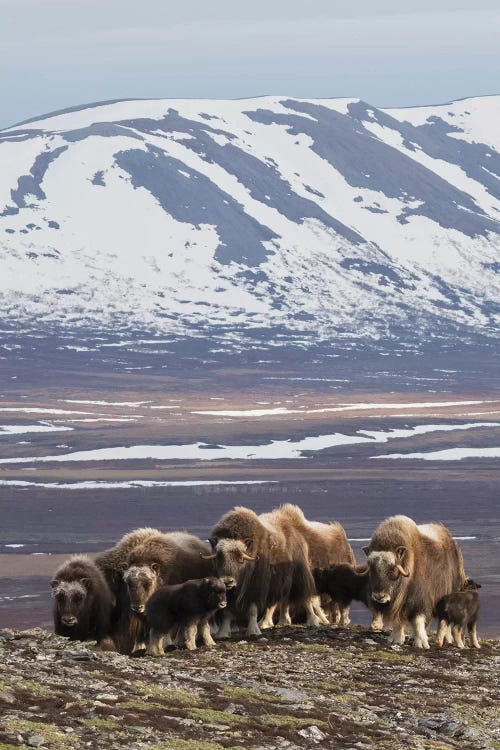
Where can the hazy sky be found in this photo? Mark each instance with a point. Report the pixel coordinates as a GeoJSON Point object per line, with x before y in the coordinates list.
{"type": "Point", "coordinates": [58, 53]}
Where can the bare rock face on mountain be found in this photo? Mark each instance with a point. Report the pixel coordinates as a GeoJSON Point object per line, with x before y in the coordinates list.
{"type": "Point", "coordinates": [290, 219]}
{"type": "Point", "coordinates": [295, 688]}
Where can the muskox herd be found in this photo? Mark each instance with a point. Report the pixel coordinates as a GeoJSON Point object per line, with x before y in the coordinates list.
{"type": "Point", "coordinates": [155, 589]}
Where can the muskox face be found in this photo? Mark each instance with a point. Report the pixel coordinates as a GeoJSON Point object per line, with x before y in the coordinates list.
{"type": "Point", "coordinates": [214, 592]}
{"type": "Point", "coordinates": [142, 581]}
{"type": "Point", "coordinates": [386, 570]}
{"type": "Point", "coordinates": [231, 555]}
{"type": "Point", "coordinates": [69, 599]}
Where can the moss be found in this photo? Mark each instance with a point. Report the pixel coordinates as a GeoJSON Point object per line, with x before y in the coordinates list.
{"type": "Point", "coordinates": [292, 722]}
{"type": "Point", "coordinates": [5, 746]}
{"type": "Point", "coordinates": [385, 656]}
{"type": "Point", "coordinates": [249, 695]}
{"type": "Point", "coordinates": [141, 705]}
{"type": "Point", "coordinates": [54, 738]}
{"type": "Point", "coordinates": [175, 696]}
{"type": "Point", "coordinates": [101, 723]}
{"type": "Point", "coordinates": [212, 716]}
{"type": "Point", "coordinates": [176, 743]}
{"type": "Point", "coordinates": [318, 648]}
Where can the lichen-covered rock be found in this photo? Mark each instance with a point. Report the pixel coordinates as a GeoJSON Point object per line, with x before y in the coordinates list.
{"type": "Point", "coordinates": [300, 688]}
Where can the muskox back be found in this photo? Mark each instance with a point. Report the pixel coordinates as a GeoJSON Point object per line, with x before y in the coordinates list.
{"type": "Point", "coordinates": [327, 542]}
{"type": "Point", "coordinates": [83, 602]}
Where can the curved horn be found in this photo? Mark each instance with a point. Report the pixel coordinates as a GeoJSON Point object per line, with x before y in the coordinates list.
{"type": "Point", "coordinates": [207, 557]}
{"type": "Point", "coordinates": [246, 556]}
{"type": "Point", "coordinates": [403, 572]}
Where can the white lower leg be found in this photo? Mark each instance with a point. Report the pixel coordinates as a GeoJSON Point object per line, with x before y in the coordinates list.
{"type": "Point", "coordinates": [397, 635]}
{"type": "Point", "coordinates": [285, 618]}
{"type": "Point", "coordinates": [448, 636]}
{"type": "Point", "coordinates": [335, 614]}
{"type": "Point", "coordinates": [190, 636]}
{"type": "Point", "coordinates": [421, 639]}
{"type": "Point", "coordinates": [319, 611]}
{"type": "Point", "coordinates": [441, 633]}
{"type": "Point", "coordinates": [225, 628]}
{"type": "Point", "coordinates": [253, 625]}
{"type": "Point", "coordinates": [268, 619]}
{"type": "Point", "coordinates": [206, 634]}
{"type": "Point", "coordinates": [457, 636]}
{"type": "Point", "coordinates": [344, 616]}
{"type": "Point", "coordinates": [473, 637]}
{"type": "Point", "coordinates": [377, 622]}
{"type": "Point", "coordinates": [312, 618]}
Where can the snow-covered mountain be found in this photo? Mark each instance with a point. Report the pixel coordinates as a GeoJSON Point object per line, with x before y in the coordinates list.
{"type": "Point", "coordinates": [325, 218]}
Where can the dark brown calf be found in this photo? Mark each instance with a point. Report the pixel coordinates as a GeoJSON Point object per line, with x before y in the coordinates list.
{"type": "Point", "coordinates": [83, 602]}
{"type": "Point", "coordinates": [459, 610]}
{"type": "Point", "coordinates": [183, 606]}
{"type": "Point", "coordinates": [345, 583]}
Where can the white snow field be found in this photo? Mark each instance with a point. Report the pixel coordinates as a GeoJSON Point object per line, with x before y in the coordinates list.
{"type": "Point", "coordinates": [329, 216]}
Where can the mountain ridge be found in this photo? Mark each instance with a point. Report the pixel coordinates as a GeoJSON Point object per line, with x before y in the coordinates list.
{"type": "Point", "coordinates": [328, 216]}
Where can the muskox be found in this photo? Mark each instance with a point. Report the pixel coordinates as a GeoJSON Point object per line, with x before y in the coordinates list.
{"type": "Point", "coordinates": [459, 610]}
{"type": "Point", "coordinates": [410, 568]}
{"type": "Point", "coordinates": [327, 544]}
{"type": "Point", "coordinates": [83, 602]}
{"type": "Point", "coordinates": [163, 559]}
{"type": "Point", "coordinates": [184, 607]}
{"type": "Point", "coordinates": [128, 628]}
{"type": "Point", "coordinates": [346, 583]}
{"type": "Point", "coordinates": [269, 559]}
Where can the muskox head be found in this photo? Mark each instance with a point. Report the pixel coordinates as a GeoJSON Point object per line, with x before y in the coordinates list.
{"type": "Point", "coordinates": [230, 555]}
{"type": "Point", "coordinates": [214, 591]}
{"type": "Point", "coordinates": [386, 570]}
{"type": "Point", "coordinates": [141, 581]}
{"type": "Point", "coordinates": [69, 599]}
{"type": "Point", "coordinates": [471, 585]}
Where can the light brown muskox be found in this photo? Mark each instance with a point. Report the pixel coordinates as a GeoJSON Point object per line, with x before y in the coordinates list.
{"type": "Point", "coordinates": [327, 545]}
{"type": "Point", "coordinates": [164, 559]}
{"type": "Point", "coordinates": [128, 629]}
{"type": "Point", "coordinates": [269, 559]}
{"type": "Point", "coordinates": [410, 568]}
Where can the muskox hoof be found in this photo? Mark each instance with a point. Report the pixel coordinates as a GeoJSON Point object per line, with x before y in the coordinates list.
{"type": "Point", "coordinates": [419, 643]}
{"type": "Point", "coordinates": [155, 652]}
{"type": "Point", "coordinates": [253, 630]}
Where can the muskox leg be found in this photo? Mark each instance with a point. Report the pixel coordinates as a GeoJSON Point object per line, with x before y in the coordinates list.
{"type": "Point", "coordinates": [397, 636]}
{"type": "Point", "coordinates": [190, 636]}
{"type": "Point", "coordinates": [225, 628]}
{"type": "Point", "coordinates": [472, 628]}
{"type": "Point", "coordinates": [268, 621]}
{"type": "Point", "coordinates": [448, 636]}
{"type": "Point", "coordinates": [377, 622]}
{"type": "Point", "coordinates": [457, 631]}
{"type": "Point", "coordinates": [205, 633]}
{"type": "Point", "coordinates": [421, 639]}
{"type": "Point", "coordinates": [253, 625]}
{"type": "Point", "coordinates": [154, 648]}
{"type": "Point", "coordinates": [344, 616]}
{"type": "Point", "coordinates": [285, 618]}
{"type": "Point", "coordinates": [312, 618]}
{"type": "Point", "coordinates": [320, 611]}
{"type": "Point", "coordinates": [335, 614]}
{"type": "Point", "coordinates": [441, 633]}
{"type": "Point", "coordinates": [107, 644]}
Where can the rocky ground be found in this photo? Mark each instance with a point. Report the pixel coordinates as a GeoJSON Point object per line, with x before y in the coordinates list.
{"type": "Point", "coordinates": [295, 688]}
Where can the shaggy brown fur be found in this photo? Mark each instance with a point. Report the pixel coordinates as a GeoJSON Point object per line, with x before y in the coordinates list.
{"type": "Point", "coordinates": [460, 610]}
{"type": "Point", "coordinates": [279, 572]}
{"type": "Point", "coordinates": [327, 545]}
{"type": "Point", "coordinates": [128, 629]}
{"type": "Point", "coordinates": [83, 602]}
{"type": "Point", "coordinates": [164, 559]}
{"type": "Point", "coordinates": [410, 568]}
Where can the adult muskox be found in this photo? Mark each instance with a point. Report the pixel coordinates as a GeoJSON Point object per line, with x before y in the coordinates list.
{"type": "Point", "coordinates": [410, 568]}
{"type": "Point", "coordinates": [127, 628]}
{"type": "Point", "coordinates": [327, 545]}
{"type": "Point", "coordinates": [164, 559]}
{"type": "Point", "coordinates": [269, 559]}
{"type": "Point", "coordinates": [83, 602]}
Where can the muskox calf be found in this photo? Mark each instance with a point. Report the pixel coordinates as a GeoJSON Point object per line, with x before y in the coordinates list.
{"type": "Point", "coordinates": [459, 610]}
{"type": "Point", "coordinates": [346, 583]}
{"type": "Point", "coordinates": [183, 607]}
{"type": "Point", "coordinates": [83, 602]}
